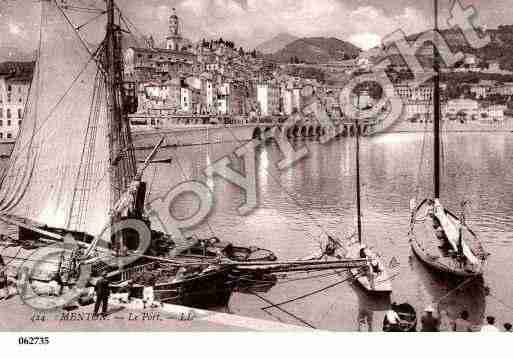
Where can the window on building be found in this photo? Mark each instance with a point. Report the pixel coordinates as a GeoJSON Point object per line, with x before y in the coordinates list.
{"type": "Point", "coordinates": [1, 135]}
{"type": "Point", "coordinates": [8, 113]}
{"type": "Point", "coordinates": [1, 113]}
{"type": "Point", "coordinates": [20, 114]}
{"type": "Point", "coordinates": [1, 123]}
{"type": "Point", "coordinates": [8, 122]}
{"type": "Point", "coordinates": [9, 88]}
{"type": "Point", "coordinates": [19, 122]}
{"type": "Point", "coordinates": [9, 97]}
{"type": "Point", "coordinates": [9, 135]}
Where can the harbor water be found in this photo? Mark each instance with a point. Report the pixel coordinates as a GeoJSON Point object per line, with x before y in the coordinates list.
{"type": "Point", "coordinates": [296, 206]}
{"type": "Point", "coordinates": [317, 194]}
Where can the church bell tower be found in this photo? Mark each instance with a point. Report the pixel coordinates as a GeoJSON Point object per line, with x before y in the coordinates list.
{"type": "Point", "coordinates": [174, 38]}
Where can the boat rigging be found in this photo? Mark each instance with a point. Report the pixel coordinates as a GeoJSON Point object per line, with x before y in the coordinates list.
{"type": "Point", "coordinates": [438, 237]}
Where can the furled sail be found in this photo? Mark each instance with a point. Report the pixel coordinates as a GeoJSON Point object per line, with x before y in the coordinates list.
{"type": "Point", "coordinates": [58, 174]}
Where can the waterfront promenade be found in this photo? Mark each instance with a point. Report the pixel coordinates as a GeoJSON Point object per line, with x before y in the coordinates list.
{"type": "Point", "coordinates": [16, 316]}
{"type": "Point", "coordinates": [193, 135]}
{"type": "Point", "coordinates": [455, 126]}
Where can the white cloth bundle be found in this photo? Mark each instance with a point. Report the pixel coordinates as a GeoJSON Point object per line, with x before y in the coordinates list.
{"type": "Point", "coordinates": [452, 231]}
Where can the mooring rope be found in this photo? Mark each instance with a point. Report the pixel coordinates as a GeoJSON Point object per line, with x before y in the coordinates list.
{"type": "Point", "coordinates": [284, 311]}
{"type": "Point", "coordinates": [309, 294]}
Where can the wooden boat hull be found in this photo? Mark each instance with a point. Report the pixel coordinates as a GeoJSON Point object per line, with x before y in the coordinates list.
{"type": "Point", "coordinates": [381, 283]}
{"type": "Point", "coordinates": [207, 290]}
{"type": "Point", "coordinates": [428, 248]}
{"type": "Point", "coordinates": [253, 280]}
{"type": "Point", "coordinates": [435, 265]}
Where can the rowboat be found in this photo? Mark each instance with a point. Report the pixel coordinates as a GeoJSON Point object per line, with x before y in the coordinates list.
{"type": "Point", "coordinates": [407, 316]}
{"type": "Point", "coordinates": [213, 248]}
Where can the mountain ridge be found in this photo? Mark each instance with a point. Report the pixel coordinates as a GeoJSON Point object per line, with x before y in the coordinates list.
{"type": "Point", "coordinates": [317, 50]}
{"type": "Point", "coordinates": [277, 43]}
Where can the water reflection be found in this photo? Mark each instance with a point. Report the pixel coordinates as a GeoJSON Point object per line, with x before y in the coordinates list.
{"type": "Point", "coordinates": [451, 294]}
{"type": "Point", "coordinates": [371, 308]}
{"type": "Point", "coordinates": [318, 192]}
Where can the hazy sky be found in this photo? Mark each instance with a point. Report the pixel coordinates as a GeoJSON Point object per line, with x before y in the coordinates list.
{"type": "Point", "coordinates": [250, 22]}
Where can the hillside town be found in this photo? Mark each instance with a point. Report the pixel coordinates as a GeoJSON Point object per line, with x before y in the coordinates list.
{"type": "Point", "coordinates": [182, 82]}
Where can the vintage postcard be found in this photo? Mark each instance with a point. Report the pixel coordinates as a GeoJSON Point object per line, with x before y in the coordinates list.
{"type": "Point", "coordinates": [255, 165]}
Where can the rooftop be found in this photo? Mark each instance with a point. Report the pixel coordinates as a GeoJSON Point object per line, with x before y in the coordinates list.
{"type": "Point", "coordinates": [17, 71]}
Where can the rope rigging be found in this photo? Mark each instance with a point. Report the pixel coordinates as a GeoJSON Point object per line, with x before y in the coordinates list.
{"type": "Point", "coordinates": [79, 27]}
{"type": "Point", "coordinates": [423, 149]}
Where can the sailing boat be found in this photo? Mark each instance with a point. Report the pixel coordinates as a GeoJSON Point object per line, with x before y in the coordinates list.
{"type": "Point", "coordinates": [438, 237]}
{"type": "Point", "coordinates": [374, 278]}
{"type": "Point", "coordinates": [73, 171]}
{"type": "Point", "coordinates": [73, 159]}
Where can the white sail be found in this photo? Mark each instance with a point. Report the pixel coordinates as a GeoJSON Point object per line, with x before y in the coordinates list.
{"type": "Point", "coordinates": [58, 172]}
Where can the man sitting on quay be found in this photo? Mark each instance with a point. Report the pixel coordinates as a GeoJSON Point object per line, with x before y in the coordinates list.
{"type": "Point", "coordinates": [490, 325]}
{"type": "Point", "coordinates": [462, 324]}
{"type": "Point", "coordinates": [430, 323]}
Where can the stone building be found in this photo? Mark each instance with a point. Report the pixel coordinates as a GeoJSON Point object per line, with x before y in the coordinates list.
{"type": "Point", "coordinates": [145, 64]}
{"type": "Point", "coordinates": [176, 59]}
{"type": "Point", "coordinates": [160, 97]}
{"type": "Point", "coordinates": [15, 79]}
{"type": "Point", "coordinates": [482, 89]}
{"type": "Point", "coordinates": [268, 97]}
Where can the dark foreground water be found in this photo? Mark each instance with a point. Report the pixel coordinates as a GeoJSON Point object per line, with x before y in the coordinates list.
{"type": "Point", "coordinates": [318, 194]}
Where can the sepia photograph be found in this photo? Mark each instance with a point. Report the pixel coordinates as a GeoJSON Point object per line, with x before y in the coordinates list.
{"type": "Point", "coordinates": [272, 166]}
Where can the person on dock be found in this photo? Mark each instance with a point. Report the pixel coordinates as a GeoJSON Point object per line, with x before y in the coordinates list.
{"type": "Point", "coordinates": [462, 324]}
{"type": "Point", "coordinates": [446, 323]}
{"type": "Point", "coordinates": [102, 290]}
{"type": "Point", "coordinates": [507, 327]}
{"type": "Point", "coordinates": [490, 325]}
{"type": "Point", "coordinates": [430, 323]}
{"type": "Point", "coordinates": [4, 285]}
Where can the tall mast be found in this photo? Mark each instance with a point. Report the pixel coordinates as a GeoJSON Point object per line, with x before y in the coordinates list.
{"type": "Point", "coordinates": [436, 109]}
{"type": "Point", "coordinates": [358, 206]}
{"type": "Point", "coordinates": [110, 46]}
{"type": "Point", "coordinates": [122, 159]}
